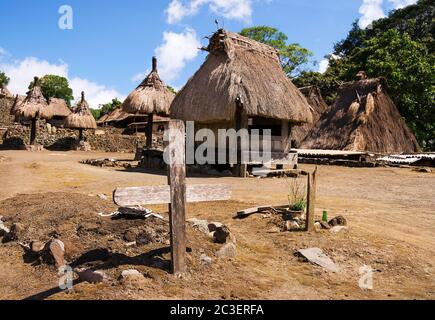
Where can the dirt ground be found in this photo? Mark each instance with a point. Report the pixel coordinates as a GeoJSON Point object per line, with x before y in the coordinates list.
{"type": "Point", "coordinates": [390, 213]}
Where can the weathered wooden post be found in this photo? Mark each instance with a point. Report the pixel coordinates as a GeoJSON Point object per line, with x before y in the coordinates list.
{"type": "Point", "coordinates": [311, 199]}
{"type": "Point", "coordinates": [176, 155]}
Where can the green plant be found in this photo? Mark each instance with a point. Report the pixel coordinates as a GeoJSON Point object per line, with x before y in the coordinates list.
{"type": "Point", "coordinates": [296, 196]}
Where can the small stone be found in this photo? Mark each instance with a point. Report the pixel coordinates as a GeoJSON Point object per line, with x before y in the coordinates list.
{"type": "Point", "coordinates": [91, 276]}
{"type": "Point", "coordinates": [103, 197]}
{"type": "Point", "coordinates": [3, 229]}
{"type": "Point", "coordinates": [227, 251]}
{"type": "Point", "coordinates": [292, 225]}
{"type": "Point", "coordinates": [132, 278]}
{"type": "Point", "coordinates": [57, 250]}
{"type": "Point", "coordinates": [16, 233]}
{"type": "Point", "coordinates": [200, 225]}
{"type": "Point", "coordinates": [130, 236]}
{"type": "Point", "coordinates": [338, 221]}
{"type": "Point", "coordinates": [205, 260]}
{"type": "Point", "coordinates": [318, 226]}
{"type": "Point", "coordinates": [37, 246]}
{"type": "Point", "coordinates": [324, 225]}
{"type": "Point", "coordinates": [221, 234]}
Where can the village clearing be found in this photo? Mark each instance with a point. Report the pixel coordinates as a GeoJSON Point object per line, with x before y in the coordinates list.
{"type": "Point", "coordinates": [391, 227]}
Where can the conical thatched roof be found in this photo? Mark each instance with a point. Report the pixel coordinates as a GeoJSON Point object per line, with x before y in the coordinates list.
{"type": "Point", "coordinates": [81, 118]}
{"type": "Point", "coordinates": [34, 105]}
{"type": "Point", "coordinates": [4, 92]}
{"type": "Point", "coordinates": [318, 107]}
{"type": "Point", "coordinates": [240, 67]}
{"type": "Point", "coordinates": [363, 118]}
{"type": "Point", "coordinates": [151, 96]}
{"type": "Point", "coordinates": [59, 107]}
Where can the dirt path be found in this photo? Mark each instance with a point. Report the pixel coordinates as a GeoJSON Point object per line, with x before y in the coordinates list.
{"type": "Point", "coordinates": [391, 213]}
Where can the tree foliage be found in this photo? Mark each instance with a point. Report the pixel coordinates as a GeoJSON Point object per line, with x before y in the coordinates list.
{"type": "Point", "coordinates": [4, 80]}
{"type": "Point", "coordinates": [53, 86]}
{"type": "Point", "coordinates": [293, 57]}
{"type": "Point", "coordinates": [399, 48]}
{"type": "Point", "coordinates": [109, 107]}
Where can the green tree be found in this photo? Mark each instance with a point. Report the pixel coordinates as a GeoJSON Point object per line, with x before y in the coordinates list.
{"type": "Point", "coordinates": [109, 107]}
{"type": "Point", "coordinates": [293, 57]}
{"type": "Point", "coordinates": [326, 82]}
{"type": "Point", "coordinates": [53, 86]}
{"type": "Point", "coordinates": [4, 80]}
{"type": "Point", "coordinates": [96, 113]}
{"type": "Point", "coordinates": [172, 89]}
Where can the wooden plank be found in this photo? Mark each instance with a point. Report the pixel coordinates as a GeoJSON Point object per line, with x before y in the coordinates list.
{"type": "Point", "coordinates": [311, 199]}
{"type": "Point", "coordinates": [177, 182]}
{"type": "Point", "coordinates": [141, 196]}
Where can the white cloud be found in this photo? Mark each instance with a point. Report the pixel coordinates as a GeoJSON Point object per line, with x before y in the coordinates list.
{"type": "Point", "coordinates": [399, 4]}
{"type": "Point", "coordinates": [3, 53]}
{"type": "Point", "coordinates": [22, 72]}
{"type": "Point", "coordinates": [323, 65]}
{"type": "Point", "coordinates": [370, 10]}
{"type": "Point", "coordinates": [230, 9]}
{"type": "Point", "coordinates": [176, 50]}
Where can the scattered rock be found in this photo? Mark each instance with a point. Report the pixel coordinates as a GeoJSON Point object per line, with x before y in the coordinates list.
{"type": "Point", "coordinates": [132, 278]}
{"type": "Point", "coordinates": [205, 260]}
{"type": "Point", "coordinates": [338, 221]}
{"type": "Point", "coordinates": [292, 225]}
{"type": "Point", "coordinates": [37, 246]}
{"type": "Point", "coordinates": [57, 250]}
{"type": "Point", "coordinates": [316, 256]}
{"type": "Point", "coordinates": [324, 225]}
{"type": "Point", "coordinates": [200, 225]}
{"type": "Point", "coordinates": [103, 197]}
{"type": "Point", "coordinates": [91, 276]}
{"type": "Point", "coordinates": [423, 170]}
{"type": "Point", "coordinates": [317, 226]}
{"type": "Point", "coordinates": [337, 229]}
{"type": "Point", "coordinates": [221, 234]}
{"type": "Point", "coordinates": [227, 251]}
{"type": "Point", "coordinates": [3, 229]}
{"type": "Point", "coordinates": [15, 233]}
{"type": "Point", "coordinates": [130, 236]}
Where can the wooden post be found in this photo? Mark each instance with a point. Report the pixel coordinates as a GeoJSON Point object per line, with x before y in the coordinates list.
{"type": "Point", "coordinates": [241, 123]}
{"type": "Point", "coordinates": [80, 135]}
{"type": "Point", "coordinates": [149, 131]}
{"type": "Point", "coordinates": [33, 131]}
{"type": "Point", "coordinates": [177, 182]}
{"type": "Point", "coordinates": [311, 199]}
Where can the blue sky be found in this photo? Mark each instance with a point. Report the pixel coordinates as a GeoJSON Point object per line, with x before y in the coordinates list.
{"type": "Point", "coordinates": [112, 41]}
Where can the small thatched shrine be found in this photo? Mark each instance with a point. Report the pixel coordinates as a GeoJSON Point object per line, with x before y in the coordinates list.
{"type": "Point", "coordinates": [363, 118]}
{"type": "Point", "coordinates": [242, 85]}
{"type": "Point", "coordinates": [81, 118]}
{"type": "Point", "coordinates": [4, 92]}
{"type": "Point", "coordinates": [32, 108]}
{"type": "Point", "coordinates": [151, 97]}
{"type": "Point", "coordinates": [318, 107]}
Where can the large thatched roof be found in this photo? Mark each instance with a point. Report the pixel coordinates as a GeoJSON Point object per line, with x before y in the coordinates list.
{"type": "Point", "coordinates": [34, 105]}
{"type": "Point", "coordinates": [363, 118]}
{"type": "Point", "coordinates": [151, 96]}
{"type": "Point", "coordinates": [240, 67]}
{"type": "Point", "coordinates": [318, 107]}
{"type": "Point", "coordinates": [59, 107]}
{"type": "Point", "coordinates": [81, 118]}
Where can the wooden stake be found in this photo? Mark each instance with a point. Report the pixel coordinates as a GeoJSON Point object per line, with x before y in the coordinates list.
{"type": "Point", "coordinates": [311, 199]}
{"type": "Point", "coordinates": [33, 131]}
{"type": "Point", "coordinates": [177, 182]}
{"type": "Point", "coordinates": [149, 131]}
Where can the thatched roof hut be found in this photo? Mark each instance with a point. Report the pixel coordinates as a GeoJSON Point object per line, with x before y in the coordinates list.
{"type": "Point", "coordinates": [34, 105]}
{"type": "Point", "coordinates": [81, 117]}
{"type": "Point", "coordinates": [150, 97]}
{"type": "Point", "coordinates": [318, 107]}
{"type": "Point", "coordinates": [59, 107]}
{"type": "Point", "coordinates": [363, 118]}
{"type": "Point", "coordinates": [239, 68]}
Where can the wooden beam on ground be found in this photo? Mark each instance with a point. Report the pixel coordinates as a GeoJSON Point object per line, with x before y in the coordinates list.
{"type": "Point", "coordinates": [311, 199]}
{"type": "Point", "coordinates": [153, 195]}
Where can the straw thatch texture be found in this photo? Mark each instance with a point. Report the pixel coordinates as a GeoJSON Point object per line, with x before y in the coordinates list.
{"type": "Point", "coordinates": [34, 105]}
{"type": "Point", "coordinates": [240, 67]}
{"type": "Point", "coordinates": [151, 96]}
{"type": "Point", "coordinates": [363, 118]}
{"type": "Point", "coordinates": [59, 107]}
{"type": "Point", "coordinates": [318, 107]}
{"type": "Point", "coordinates": [18, 99]}
{"type": "Point", "coordinates": [81, 118]}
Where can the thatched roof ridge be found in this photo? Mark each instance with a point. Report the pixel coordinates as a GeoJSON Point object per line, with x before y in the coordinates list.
{"type": "Point", "coordinates": [240, 67]}
{"type": "Point", "coordinates": [363, 118]}
{"type": "Point", "coordinates": [59, 107]}
{"type": "Point", "coordinates": [34, 105]}
{"type": "Point", "coordinates": [151, 96]}
{"type": "Point", "coordinates": [81, 117]}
